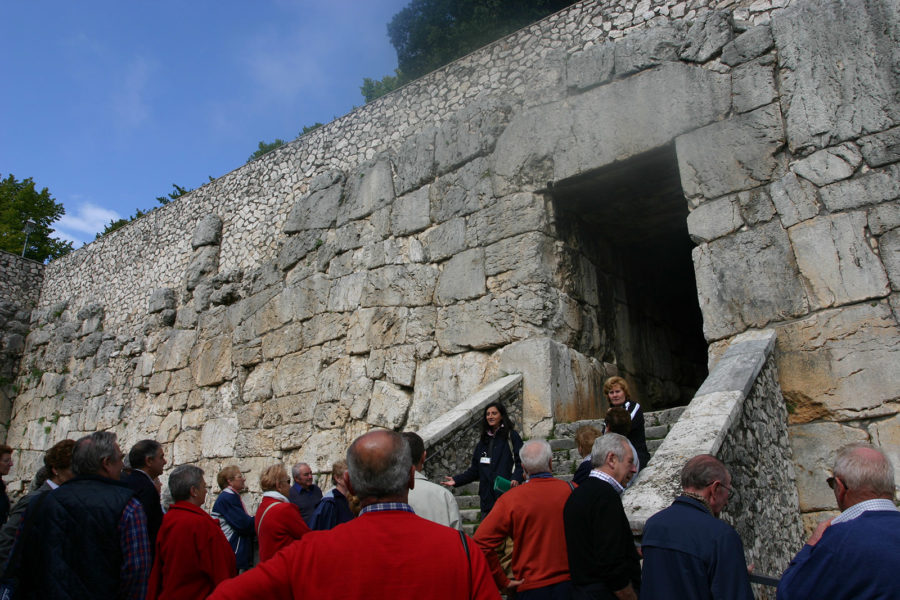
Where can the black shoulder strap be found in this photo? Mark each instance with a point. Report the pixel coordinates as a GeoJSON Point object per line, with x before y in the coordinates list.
{"type": "Point", "coordinates": [465, 543]}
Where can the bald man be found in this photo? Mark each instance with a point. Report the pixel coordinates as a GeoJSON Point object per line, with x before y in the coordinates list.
{"type": "Point", "coordinates": [386, 553]}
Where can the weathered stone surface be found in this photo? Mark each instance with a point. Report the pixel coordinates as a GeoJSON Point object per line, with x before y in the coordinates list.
{"type": "Point", "coordinates": [529, 258]}
{"type": "Point", "coordinates": [747, 280]}
{"type": "Point", "coordinates": [881, 148]}
{"type": "Point", "coordinates": [886, 435]}
{"type": "Point", "coordinates": [207, 232]}
{"type": "Point", "coordinates": [412, 212]}
{"type": "Point", "coordinates": [399, 285]}
{"type": "Point", "coordinates": [889, 245]}
{"type": "Point", "coordinates": [480, 324]}
{"type": "Point", "coordinates": [414, 161]}
{"type": "Point", "coordinates": [640, 113]}
{"type": "Point", "coordinates": [161, 299]}
{"type": "Point", "coordinates": [592, 66]}
{"type": "Point", "coordinates": [714, 219]}
{"type": "Point", "coordinates": [218, 437]}
{"type": "Point", "coordinates": [367, 191]}
{"type": "Point", "coordinates": [646, 49]}
{"type": "Point", "coordinates": [706, 36]}
{"type": "Point", "coordinates": [297, 372]}
{"type": "Point", "coordinates": [471, 132]}
{"type": "Point", "coordinates": [169, 428]}
{"type": "Point", "coordinates": [89, 345]}
{"type": "Point", "coordinates": [462, 277]}
{"type": "Point", "coordinates": [397, 364]}
{"type": "Point", "coordinates": [884, 217]}
{"type": "Point", "coordinates": [296, 247]}
{"type": "Point", "coordinates": [324, 327]}
{"type": "Point", "coordinates": [258, 385]}
{"type": "Point", "coordinates": [829, 165]}
{"type": "Point", "coordinates": [346, 292]}
{"type": "Point", "coordinates": [837, 80]}
{"type": "Point", "coordinates": [462, 191]}
{"type": "Point", "coordinates": [815, 446]}
{"type": "Point", "coordinates": [870, 188]}
{"type": "Point", "coordinates": [306, 298]}
{"type": "Point", "coordinates": [445, 240]}
{"type": "Point", "coordinates": [836, 261]}
{"type": "Point", "coordinates": [756, 205]}
{"type": "Point", "coordinates": [841, 363]}
{"type": "Point", "coordinates": [187, 447]}
{"type": "Point", "coordinates": [211, 361]}
{"type": "Point", "coordinates": [317, 210]}
{"type": "Point", "coordinates": [444, 383]}
{"type": "Point", "coordinates": [731, 155]}
{"type": "Point", "coordinates": [175, 352]}
{"type": "Point", "coordinates": [754, 84]}
{"type": "Point", "coordinates": [388, 406]}
{"type": "Point", "coordinates": [748, 45]}
{"type": "Point", "coordinates": [795, 199]}
{"type": "Point", "coordinates": [204, 263]}
{"type": "Point", "coordinates": [493, 223]}
{"type": "Point", "coordinates": [380, 327]}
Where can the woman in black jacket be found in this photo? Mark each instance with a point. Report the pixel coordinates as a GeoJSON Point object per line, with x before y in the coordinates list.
{"type": "Point", "coordinates": [496, 454]}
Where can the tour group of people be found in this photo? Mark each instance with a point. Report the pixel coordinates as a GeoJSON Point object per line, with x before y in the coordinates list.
{"type": "Point", "coordinates": [92, 528]}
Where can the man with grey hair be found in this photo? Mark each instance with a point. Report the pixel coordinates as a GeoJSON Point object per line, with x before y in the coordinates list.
{"type": "Point", "coordinates": [688, 552]}
{"type": "Point", "coordinates": [857, 553]}
{"type": "Point", "coordinates": [532, 515]}
{"type": "Point", "coordinates": [392, 553]}
{"type": "Point", "coordinates": [90, 532]}
{"type": "Point", "coordinates": [304, 493]}
{"type": "Point", "coordinates": [602, 558]}
{"type": "Point", "coordinates": [430, 500]}
{"type": "Point", "coordinates": [192, 554]}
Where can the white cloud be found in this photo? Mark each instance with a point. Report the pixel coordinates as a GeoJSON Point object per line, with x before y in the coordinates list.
{"type": "Point", "coordinates": [83, 223]}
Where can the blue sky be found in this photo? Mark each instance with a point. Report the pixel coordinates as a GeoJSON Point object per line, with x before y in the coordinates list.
{"type": "Point", "coordinates": [108, 103]}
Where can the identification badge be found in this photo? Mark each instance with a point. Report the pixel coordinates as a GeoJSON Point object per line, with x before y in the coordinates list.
{"type": "Point", "coordinates": [485, 460]}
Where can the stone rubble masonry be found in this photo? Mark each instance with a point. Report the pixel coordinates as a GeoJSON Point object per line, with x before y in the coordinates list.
{"type": "Point", "coordinates": [739, 416]}
{"type": "Point", "coordinates": [381, 269]}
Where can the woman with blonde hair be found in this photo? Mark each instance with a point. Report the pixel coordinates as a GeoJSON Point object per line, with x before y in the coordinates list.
{"type": "Point", "coordinates": [618, 393]}
{"type": "Point", "coordinates": [230, 512]}
{"type": "Point", "coordinates": [278, 521]}
{"type": "Point", "coordinates": [334, 508]}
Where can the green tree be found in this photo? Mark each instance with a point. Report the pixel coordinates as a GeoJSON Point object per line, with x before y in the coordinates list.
{"type": "Point", "coordinates": [21, 202]}
{"type": "Point", "coordinates": [177, 192]}
{"type": "Point", "coordinates": [428, 34]}
{"type": "Point", "coordinates": [308, 128]}
{"type": "Point", "coordinates": [265, 148]}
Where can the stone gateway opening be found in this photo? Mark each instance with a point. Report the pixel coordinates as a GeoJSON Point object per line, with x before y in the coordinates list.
{"type": "Point", "coordinates": [625, 225]}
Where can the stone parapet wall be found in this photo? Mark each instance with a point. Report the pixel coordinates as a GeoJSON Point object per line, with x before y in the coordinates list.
{"type": "Point", "coordinates": [20, 280]}
{"type": "Point", "coordinates": [739, 416]}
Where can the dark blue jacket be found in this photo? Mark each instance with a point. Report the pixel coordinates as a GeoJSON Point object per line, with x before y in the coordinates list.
{"type": "Point", "coordinates": [691, 555]}
{"type": "Point", "coordinates": [145, 491]}
{"type": "Point", "coordinates": [73, 549]}
{"type": "Point", "coordinates": [504, 463]}
{"type": "Point", "coordinates": [306, 500]}
{"type": "Point", "coordinates": [333, 510]}
{"type": "Point", "coordinates": [238, 527]}
{"type": "Point", "coordinates": [856, 559]}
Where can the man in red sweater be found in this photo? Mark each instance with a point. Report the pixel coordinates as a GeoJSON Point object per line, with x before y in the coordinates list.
{"type": "Point", "coordinates": [532, 514]}
{"type": "Point", "coordinates": [192, 554]}
{"type": "Point", "coordinates": [386, 553]}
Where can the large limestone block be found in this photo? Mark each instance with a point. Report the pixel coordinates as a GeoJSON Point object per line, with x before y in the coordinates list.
{"type": "Point", "coordinates": [380, 327]}
{"type": "Point", "coordinates": [527, 258]}
{"type": "Point", "coordinates": [462, 191]}
{"type": "Point", "coordinates": [297, 372]}
{"type": "Point", "coordinates": [732, 155]}
{"type": "Point", "coordinates": [211, 361]}
{"type": "Point", "coordinates": [444, 382]}
{"type": "Point", "coordinates": [207, 232]}
{"type": "Point", "coordinates": [346, 292]}
{"type": "Point", "coordinates": [748, 45]}
{"type": "Point", "coordinates": [754, 84]}
{"type": "Point", "coordinates": [258, 385]}
{"type": "Point", "coordinates": [829, 165]}
{"type": "Point", "coordinates": [889, 244]}
{"type": "Point", "coordinates": [175, 352]}
{"type": "Point", "coordinates": [414, 161]}
{"type": "Point", "coordinates": [218, 437]}
{"type": "Point", "coordinates": [884, 217]}
{"type": "Point", "coordinates": [840, 363]}
{"type": "Point", "coordinates": [871, 188]}
{"type": "Point", "coordinates": [399, 285]}
{"type": "Point", "coordinates": [746, 280]}
{"type": "Point", "coordinates": [304, 298]}
{"type": "Point", "coordinates": [397, 364]}
{"type": "Point", "coordinates": [714, 219]}
{"type": "Point", "coordinates": [814, 447]}
{"type": "Point", "coordinates": [836, 262]}
{"type": "Point", "coordinates": [838, 61]}
{"type": "Point", "coordinates": [367, 191]}
{"type": "Point", "coordinates": [592, 66]}
{"type": "Point", "coordinates": [445, 240]}
{"type": "Point", "coordinates": [388, 406]}
{"type": "Point", "coordinates": [886, 435]}
{"type": "Point", "coordinates": [321, 449]}
{"type": "Point", "coordinates": [608, 123]}
{"type": "Point", "coordinates": [411, 212]}
{"type": "Point", "coordinates": [469, 133]}
{"type": "Point", "coordinates": [317, 210]}
{"type": "Point", "coordinates": [881, 148]}
{"type": "Point", "coordinates": [706, 36]}
{"type": "Point", "coordinates": [344, 382]}
{"type": "Point", "coordinates": [480, 324]}
{"type": "Point", "coordinates": [559, 383]}
{"type": "Point", "coordinates": [462, 277]}
{"type": "Point", "coordinates": [508, 216]}
{"type": "Point", "coordinates": [187, 447]}
{"type": "Point", "coordinates": [283, 341]}
{"type": "Point", "coordinates": [646, 48]}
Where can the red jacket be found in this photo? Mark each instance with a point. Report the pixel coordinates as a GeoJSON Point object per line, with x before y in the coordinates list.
{"type": "Point", "coordinates": [192, 555]}
{"type": "Point", "coordinates": [532, 515]}
{"type": "Point", "coordinates": [379, 556]}
{"type": "Point", "coordinates": [282, 524]}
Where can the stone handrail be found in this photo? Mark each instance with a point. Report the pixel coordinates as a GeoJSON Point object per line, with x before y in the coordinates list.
{"type": "Point", "coordinates": [738, 415]}
{"type": "Point", "coordinates": [450, 438]}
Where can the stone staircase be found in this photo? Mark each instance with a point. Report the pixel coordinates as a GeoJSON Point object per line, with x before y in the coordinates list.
{"type": "Point", "coordinates": [566, 457]}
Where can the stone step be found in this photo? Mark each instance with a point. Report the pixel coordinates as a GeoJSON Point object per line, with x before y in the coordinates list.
{"type": "Point", "coordinates": [656, 432]}
{"type": "Point", "coordinates": [562, 444]}
{"type": "Point", "coordinates": [468, 501]}
{"type": "Point", "coordinates": [652, 446]}
{"type": "Point", "coordinates": [470, 515]}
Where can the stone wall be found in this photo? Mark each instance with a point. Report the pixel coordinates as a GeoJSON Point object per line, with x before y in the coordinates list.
{"type": "Point", "coordinates": [739, 416]}
{"type": "Point", "coordinates": [381, 268]}
{"type": "Point", "coordinates": [20, 287]}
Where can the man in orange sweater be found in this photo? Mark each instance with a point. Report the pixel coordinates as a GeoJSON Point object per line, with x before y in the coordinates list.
{"type": "Point", "coordinates": [532, 514]}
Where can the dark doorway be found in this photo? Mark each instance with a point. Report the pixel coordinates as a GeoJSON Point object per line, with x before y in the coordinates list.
{"type": "Point", "coordinates": [629, 221]}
